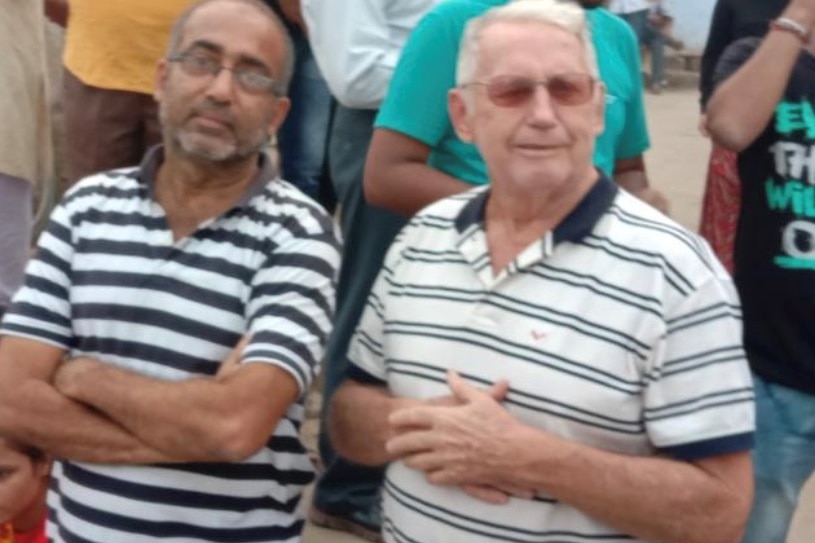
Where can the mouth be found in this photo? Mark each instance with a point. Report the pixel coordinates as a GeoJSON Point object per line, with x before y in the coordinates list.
{"type": "Point", "coordinates": [536, 149]}
{"type": "Point", "coordinates": [211, 122]}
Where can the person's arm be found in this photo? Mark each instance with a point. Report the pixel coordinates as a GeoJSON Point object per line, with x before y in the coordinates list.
{"type": "Point", "coordinates": [651, 498]}
{"type": "Point", "coordinates": [230, 416]}
{"type": "Point", "coordinates": [632, 141]}
{"type": "Point", "coordinates": [719, 36]}
{"type": "Point", "coordinates": [357, 401]}
{"type": "Point", "coordinates": [744, 103]}
{"type": "Point", "coordinates": [398, 178]}
{"type": "Point", "coordinates": [222, 419]}
{"type": "Point", "coordinates": [33, 411]}
{"type": "Point", "coordinates": [353, 402]}
{"type": "Point", "coordinates": [57, 11]}
{"type": "Point", "coordinates": [414, 119]}
{"type": "Point", "coordinates": [37, 333]}
{"type": "Point", "coordinates": [350, 40]}
{"type": "Point", "coordinates": [630, 174]}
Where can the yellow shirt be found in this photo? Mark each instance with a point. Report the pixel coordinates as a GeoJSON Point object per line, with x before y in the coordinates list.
{"type": "Point", "coordinates": [116, 44]}
{"type": "Point", "coordinates": [25, 129]}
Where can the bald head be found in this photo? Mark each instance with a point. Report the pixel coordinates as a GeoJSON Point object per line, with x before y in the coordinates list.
{"type": "Point", "coordinates": [179, 27]}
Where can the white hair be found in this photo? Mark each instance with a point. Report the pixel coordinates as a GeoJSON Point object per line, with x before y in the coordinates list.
{"type": "Point", "coordinates": [567, 15]}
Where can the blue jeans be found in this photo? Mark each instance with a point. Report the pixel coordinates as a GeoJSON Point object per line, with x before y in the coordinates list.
{"type": "Point", "coordinates": [344, 488]}
{"type": "Point", "coordinates": [783, 460]}
{"type": "Point", "coordinates": [303, 136]}
{"type": "Point", "coordinates": [649, 36]}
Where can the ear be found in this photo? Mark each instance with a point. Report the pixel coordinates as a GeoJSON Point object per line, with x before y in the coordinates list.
{"type": "Point", "coordinates": [599, 108]}
{"type": "Point", "coordinates": [282, 106]}
{"type": "Point", "coordinates": [162, 71]}
{"type": "Point", "coordinates": [457, 104]}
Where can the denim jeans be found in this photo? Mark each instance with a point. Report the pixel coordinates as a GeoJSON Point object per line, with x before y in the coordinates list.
{"type": "Point", "coordinates": [303, 136]}
{"type": "Point", "coordinates": [649, 36]}
{"type": "Point", "coordinates": [783, 459]}
{"type": "Point", "coordinates": [345, 488]}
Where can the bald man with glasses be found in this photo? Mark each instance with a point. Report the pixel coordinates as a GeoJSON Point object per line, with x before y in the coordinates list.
{"type": "Point", "coordinates": [176, 313]}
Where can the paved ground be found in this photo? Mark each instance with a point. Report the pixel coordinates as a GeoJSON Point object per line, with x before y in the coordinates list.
{"type": "Point", "coordinates": [677, 165]}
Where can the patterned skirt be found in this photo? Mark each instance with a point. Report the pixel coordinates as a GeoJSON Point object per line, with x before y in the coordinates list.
{"type": "Point", "coordinates": [721, 204]}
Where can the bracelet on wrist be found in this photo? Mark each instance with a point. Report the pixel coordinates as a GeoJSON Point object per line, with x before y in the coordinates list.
{"type": "Point", "coordinates": [785, 24]}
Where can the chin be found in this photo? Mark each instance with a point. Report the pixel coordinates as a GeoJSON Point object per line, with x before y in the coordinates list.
{"type": "Point", "coordinates": [544, 176]}
{"type": "Point", "coordinates": [206, 148]}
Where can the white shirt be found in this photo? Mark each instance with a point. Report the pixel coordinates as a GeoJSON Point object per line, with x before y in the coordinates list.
{"type": "Point", "coordinates": [617, 330]}
{"type": "Point", "coordinates": [628, 6]}
{"type": "Point", "coordinates": [357, 44]}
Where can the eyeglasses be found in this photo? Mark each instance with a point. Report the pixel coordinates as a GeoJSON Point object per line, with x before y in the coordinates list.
{"type": "Point", "coordinates": [250, 78]}
{"type": "Point", "coordinates": [570, 89]}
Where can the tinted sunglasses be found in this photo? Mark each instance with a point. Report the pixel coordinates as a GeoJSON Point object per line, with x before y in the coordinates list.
{"type": "Point", "coordinates": [570, 89]}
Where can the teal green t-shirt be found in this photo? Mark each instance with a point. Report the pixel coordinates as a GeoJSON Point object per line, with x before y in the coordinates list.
{"type": "Point", "coordinates": [416, 103]}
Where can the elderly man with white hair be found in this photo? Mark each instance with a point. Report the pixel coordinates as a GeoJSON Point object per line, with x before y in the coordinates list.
{"type": "Point", "coordinates": [548, 358]}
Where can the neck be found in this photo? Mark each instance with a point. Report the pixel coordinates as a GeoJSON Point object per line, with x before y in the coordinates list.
{"type": "Point", "coordinates": [540, 211]}
{"type": "Point", "coordinates": [189, 178]}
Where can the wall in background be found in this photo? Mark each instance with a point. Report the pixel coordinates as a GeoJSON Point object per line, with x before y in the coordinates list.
{"type": "Point", "coordinates": [692, 21]}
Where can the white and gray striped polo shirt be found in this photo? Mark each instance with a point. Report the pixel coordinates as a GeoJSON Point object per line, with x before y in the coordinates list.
{"type": "Point", "coordinates": [619, 330]}
{"type": "Point", "coordinates": [108, 281]}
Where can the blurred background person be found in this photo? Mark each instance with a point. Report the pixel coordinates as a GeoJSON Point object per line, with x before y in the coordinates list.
{"type": "Point", "coordinates": [732, 20]}
{"type": "Point", "coordinates": [762, 109]}
{"type": "Point", "coordinates": [416, 157]}
{"type": "Point", "coordinates": [24, 475]}
{"type": "Point", "coordinates": [357, 45]}
{"type": "Point", "coordinates": [638, 13]}
{"type": "Point", "coordinates": [25, 134]}
{"type": "Point", "coordinates": [112, 49]}
{"type": "Point", "coordinates": [303, 138]}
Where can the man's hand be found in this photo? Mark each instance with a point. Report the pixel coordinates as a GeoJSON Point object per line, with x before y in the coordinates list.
{"type": "Point", "coordinates": [68, 377]}
{"type": "Point", "coordinates": [458, 440]}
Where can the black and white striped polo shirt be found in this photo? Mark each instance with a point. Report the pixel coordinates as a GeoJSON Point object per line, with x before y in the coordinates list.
{"type": "Point", "coordinates": [110, 282]}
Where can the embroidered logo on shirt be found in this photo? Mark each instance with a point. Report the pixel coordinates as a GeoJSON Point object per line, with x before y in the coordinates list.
{"type": "Point", "coordinates": [538, 335]}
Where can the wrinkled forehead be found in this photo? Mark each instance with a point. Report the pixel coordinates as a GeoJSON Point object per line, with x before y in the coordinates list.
{"type": "Point", "coordinates": [529, 47]}
{"type": "Point", "coordinates": [234, 29]}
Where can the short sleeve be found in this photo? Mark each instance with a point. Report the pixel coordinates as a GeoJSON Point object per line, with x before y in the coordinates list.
{"type": "Point", "coordinates": [367, 347]}
{"type": "Point", "coordinates": [416, 102]}
{"type": "Point", "coordinates": [699, 397]}
{"type": "Point", "coordinates": [291, 305]}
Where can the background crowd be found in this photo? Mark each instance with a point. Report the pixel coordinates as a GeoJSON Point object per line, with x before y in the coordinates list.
{"type": "Point", "coordinates": [350, 102]}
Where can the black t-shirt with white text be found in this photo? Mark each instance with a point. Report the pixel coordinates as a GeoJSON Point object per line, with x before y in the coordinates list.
{"type": "Point", "coordinates": [775, 240]}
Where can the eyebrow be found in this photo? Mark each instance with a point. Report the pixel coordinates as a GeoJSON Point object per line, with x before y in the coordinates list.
{"type": "Point", "coordinates": [217, 49]}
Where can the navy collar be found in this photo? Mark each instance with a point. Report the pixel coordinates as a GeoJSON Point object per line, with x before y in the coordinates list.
{"type": "Point", "coordinates": [148, 169]}
{"type": "Point", "coordinates": [574, 227]}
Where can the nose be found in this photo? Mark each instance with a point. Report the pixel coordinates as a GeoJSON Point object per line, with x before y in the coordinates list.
{"type": "Point", "coordinates": [542, 107]}
{"type": "Point", "coordinates": [221, 87]}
